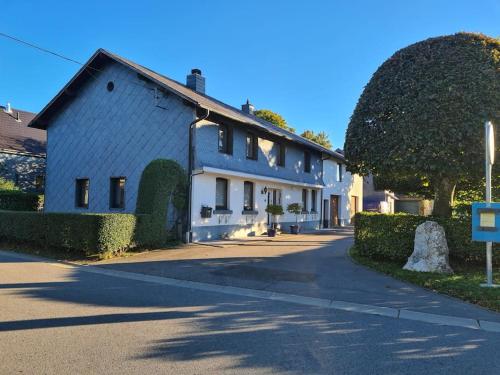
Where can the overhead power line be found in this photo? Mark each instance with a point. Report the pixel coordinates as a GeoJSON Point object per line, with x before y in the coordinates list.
{"type": "Point", "coordinates": [40, 48]}
{"type": "Point", "coordinates": [45, 50]}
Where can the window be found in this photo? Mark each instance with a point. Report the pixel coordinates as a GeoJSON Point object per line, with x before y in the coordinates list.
{"type": "Point", "coordinates": [252, 146]}
{"type": "Point", "coordinates": [221, 194]}
{"type": "Point", "coordinates": [39, 182]}
{"type": "Point", "coordinates": [313, 200]}
{"type": "Point", "coordinates": [339, 172]}
{"type": "Point", "coordinates": [248, 196]}
{"type": "Point", "coordinates": [281, 154]}
{"type": "Point", "coordinates": [307, 162]}
{"type": "Point", "coordinates": [225, 140]}
{"type": "Point", "coordinates": [304, 199]}
{"type": "Point", "coordinates": [82, 193]}
{"type": "Point", "coordinates": [117, 192]}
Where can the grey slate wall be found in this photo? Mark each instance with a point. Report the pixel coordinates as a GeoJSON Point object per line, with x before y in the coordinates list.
{"type": "Point", "coordinates": [101, 134]}
{"type": "Point", "coordinates": [21, 169]}
{"type": "Point", "coordinates": [207, 154]}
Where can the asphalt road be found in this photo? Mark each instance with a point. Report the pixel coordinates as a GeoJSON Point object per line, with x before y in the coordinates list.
{"type": "Point", "coordinates": [56, 320]}
{"type": "Point", "coordinates": [312, 265]}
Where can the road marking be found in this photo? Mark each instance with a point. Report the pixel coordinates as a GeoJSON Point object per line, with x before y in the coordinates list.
{"type": "Point", "coordinates": [276, 296]}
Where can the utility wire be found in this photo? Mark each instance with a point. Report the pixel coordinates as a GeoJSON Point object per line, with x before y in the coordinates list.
{"type": "Point", "coordinates": [45, 50]}
{"type": "Point", "coordinates": [40, 48]}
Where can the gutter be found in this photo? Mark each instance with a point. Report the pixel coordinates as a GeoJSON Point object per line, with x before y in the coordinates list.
{"type": "Point", "coordinates": [191, 153]}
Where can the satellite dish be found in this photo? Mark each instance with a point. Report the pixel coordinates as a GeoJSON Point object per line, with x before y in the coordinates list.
{"type": "Point", "coordinates": [490, 143]}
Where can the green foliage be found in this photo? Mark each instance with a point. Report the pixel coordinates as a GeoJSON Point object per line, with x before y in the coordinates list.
{"type": "Point", "coordinates": [163, 184]}
{"type": "Point", "coordinates": [91, 234]}
{"type": "Point", "coordinates": [422, 115]}
{"type": "Point", "coordinates": [296, 209]}
{"type": "Point", "coordinates": [7, 184]}
{"type": "Point", "coordinates": [274, 209]}
{"type": "Point", "coordinates": [321, 138]}
{"type": "Point", "coordinates": [391, 237]}
{"type": "Point", "coordinates": [273, 118]}
{"type": "Point", "coordinates": [17, 200]}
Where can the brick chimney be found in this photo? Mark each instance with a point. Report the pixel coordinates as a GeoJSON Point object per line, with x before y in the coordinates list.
{"type": "Point", "coordinates": [195, 81]}
{"type": "Point", "coordinates": [248, 108]}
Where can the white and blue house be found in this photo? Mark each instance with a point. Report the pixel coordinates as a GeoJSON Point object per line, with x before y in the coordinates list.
{"type": "Point", "coordinates": [115, 116]}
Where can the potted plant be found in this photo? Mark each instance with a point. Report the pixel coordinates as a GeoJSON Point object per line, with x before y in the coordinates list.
{"type": "Point", "coordinates": [296, 209]}
{"type": "Point", "coordinates": [273, 210]}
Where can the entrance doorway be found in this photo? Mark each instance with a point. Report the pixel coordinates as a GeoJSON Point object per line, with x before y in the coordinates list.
{"type": "Point", "coordinates": [273, 197]}
{"type": "Point", "coordinates": [326, 222]}
{"type": "Point", "coordinates": [354, 207]}
{"type": "Point", "coordinates": [334, 210]}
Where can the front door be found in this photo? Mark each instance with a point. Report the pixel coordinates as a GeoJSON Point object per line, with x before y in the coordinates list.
{"type": "Point", "coordinates": [326, 222]}
{"type": "Point", "coordinates": [273, 197]}
{"type": "Point", "coordinates": [334, 210]}
{"type": "Point", "coordinates": [354, 207]}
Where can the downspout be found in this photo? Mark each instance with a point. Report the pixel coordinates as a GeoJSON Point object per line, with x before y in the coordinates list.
{"type": "Point", "coordinates": [191, 167]}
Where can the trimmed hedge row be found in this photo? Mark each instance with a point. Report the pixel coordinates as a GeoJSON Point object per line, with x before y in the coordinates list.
{"type": "Point", "coordinates": [91, 234]}
{"type": "Point", "coordinates": [17, 200]}
{"type": "Point", "coordinates": [391, 237]}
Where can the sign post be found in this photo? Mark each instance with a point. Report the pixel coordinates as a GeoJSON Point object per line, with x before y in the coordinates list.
{"type": "Point", "coordinates": [486, 215]}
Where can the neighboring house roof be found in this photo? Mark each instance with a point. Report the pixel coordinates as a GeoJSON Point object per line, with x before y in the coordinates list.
{"type": "Point", "coordinates": [181, 90]}
{"type": "Point", "coordinates": [17, 137]}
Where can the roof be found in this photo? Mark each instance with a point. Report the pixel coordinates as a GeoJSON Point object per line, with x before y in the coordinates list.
{"type": "Point", "coordinates": [186, 93]}
{"type": "Point", "coordinates": [17, 137]}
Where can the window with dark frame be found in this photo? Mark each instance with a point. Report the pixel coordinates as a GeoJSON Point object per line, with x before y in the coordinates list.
{"type": "Point", "coordinates": [221, 194]}
{"type": "Point", "coordinates": [313, 200]}
{"type": "Point", "coordinates": [251, 146]}
{"type": "Point", "coordinates": [281, 154]}
{"type": "Point", "coordinates": [82, 192]}
{"type": "Point", "coordinates": [248, 196]}
{"type": "Point", "coordinates": [117, 192]}
{"type": "Point", "coordinates": [225, 139]}
{"type": "Point", "coordinates": [307, 161]}
{"type": "Point", "coordinates": [339, 172]}
{"type": "Point", "coordinates": [304, 200]}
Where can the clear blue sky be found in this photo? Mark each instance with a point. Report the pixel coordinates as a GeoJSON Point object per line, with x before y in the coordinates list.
{"type": "Point", "coordinates": [307, 60]}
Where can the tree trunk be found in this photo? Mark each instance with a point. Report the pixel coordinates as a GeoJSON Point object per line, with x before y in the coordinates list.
{"type": "Point", "coordinates": [443, 199]}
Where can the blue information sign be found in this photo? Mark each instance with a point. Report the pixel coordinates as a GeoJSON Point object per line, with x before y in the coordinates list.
{"type": "Point", "coordinates": [486, 222]}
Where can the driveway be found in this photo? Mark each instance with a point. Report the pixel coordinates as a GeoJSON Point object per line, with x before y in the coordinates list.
{"type": "Point", "coordinates": [58, 319]}
{"type": "Point", "coordinates": [312, 265]}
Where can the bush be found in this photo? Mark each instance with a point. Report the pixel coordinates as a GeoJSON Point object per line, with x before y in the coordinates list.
{"type": "Point", "coordinates": [163, 185]}
{"type": "Point", "coordinates": [89, 234]}
{"type": "Point", "coordinates": [17, 200]}
{"type": "Point", "coordinates": [390, 237]}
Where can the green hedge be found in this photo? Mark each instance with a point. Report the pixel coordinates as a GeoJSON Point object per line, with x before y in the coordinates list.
{"type": "Point", "coordinates": [17, 200]}
{"type": "Point", "coordinates": [163, 186]}
{"type": "Point", "coordinates": [92, 234]}
{"type": "Point", "coordinates": [390, 237]}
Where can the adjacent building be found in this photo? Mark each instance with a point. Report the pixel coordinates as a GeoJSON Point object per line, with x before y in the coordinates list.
{"type": "Point", "coordinates": [342, 193]}
{"type": "Point", "coordinates": [22, 149]}
{"type": "Point", "coordinates": [115, 116]}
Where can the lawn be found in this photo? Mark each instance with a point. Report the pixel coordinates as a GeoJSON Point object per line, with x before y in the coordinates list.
{"type": "Point", "coordinates": [463, 284]}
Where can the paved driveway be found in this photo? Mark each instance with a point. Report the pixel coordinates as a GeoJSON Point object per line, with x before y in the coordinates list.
{"type": "Point", "coordinates": [57, 319]}
{"type": "Point", "coordinates": [313, 265]}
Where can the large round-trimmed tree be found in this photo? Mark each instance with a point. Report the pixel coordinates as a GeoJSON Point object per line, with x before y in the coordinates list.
{"type": "Point", "coordinates": [419, 123]}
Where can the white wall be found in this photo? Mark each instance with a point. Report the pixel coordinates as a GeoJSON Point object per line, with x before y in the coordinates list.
{"type": "Point", "coordinates": [204, 195]}
{"type": "Point", "coordinates": [351, 185]}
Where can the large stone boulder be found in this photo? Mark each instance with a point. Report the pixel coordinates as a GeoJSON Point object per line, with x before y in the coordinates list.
{"type": "Point", "coordinates": [430, 252]}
